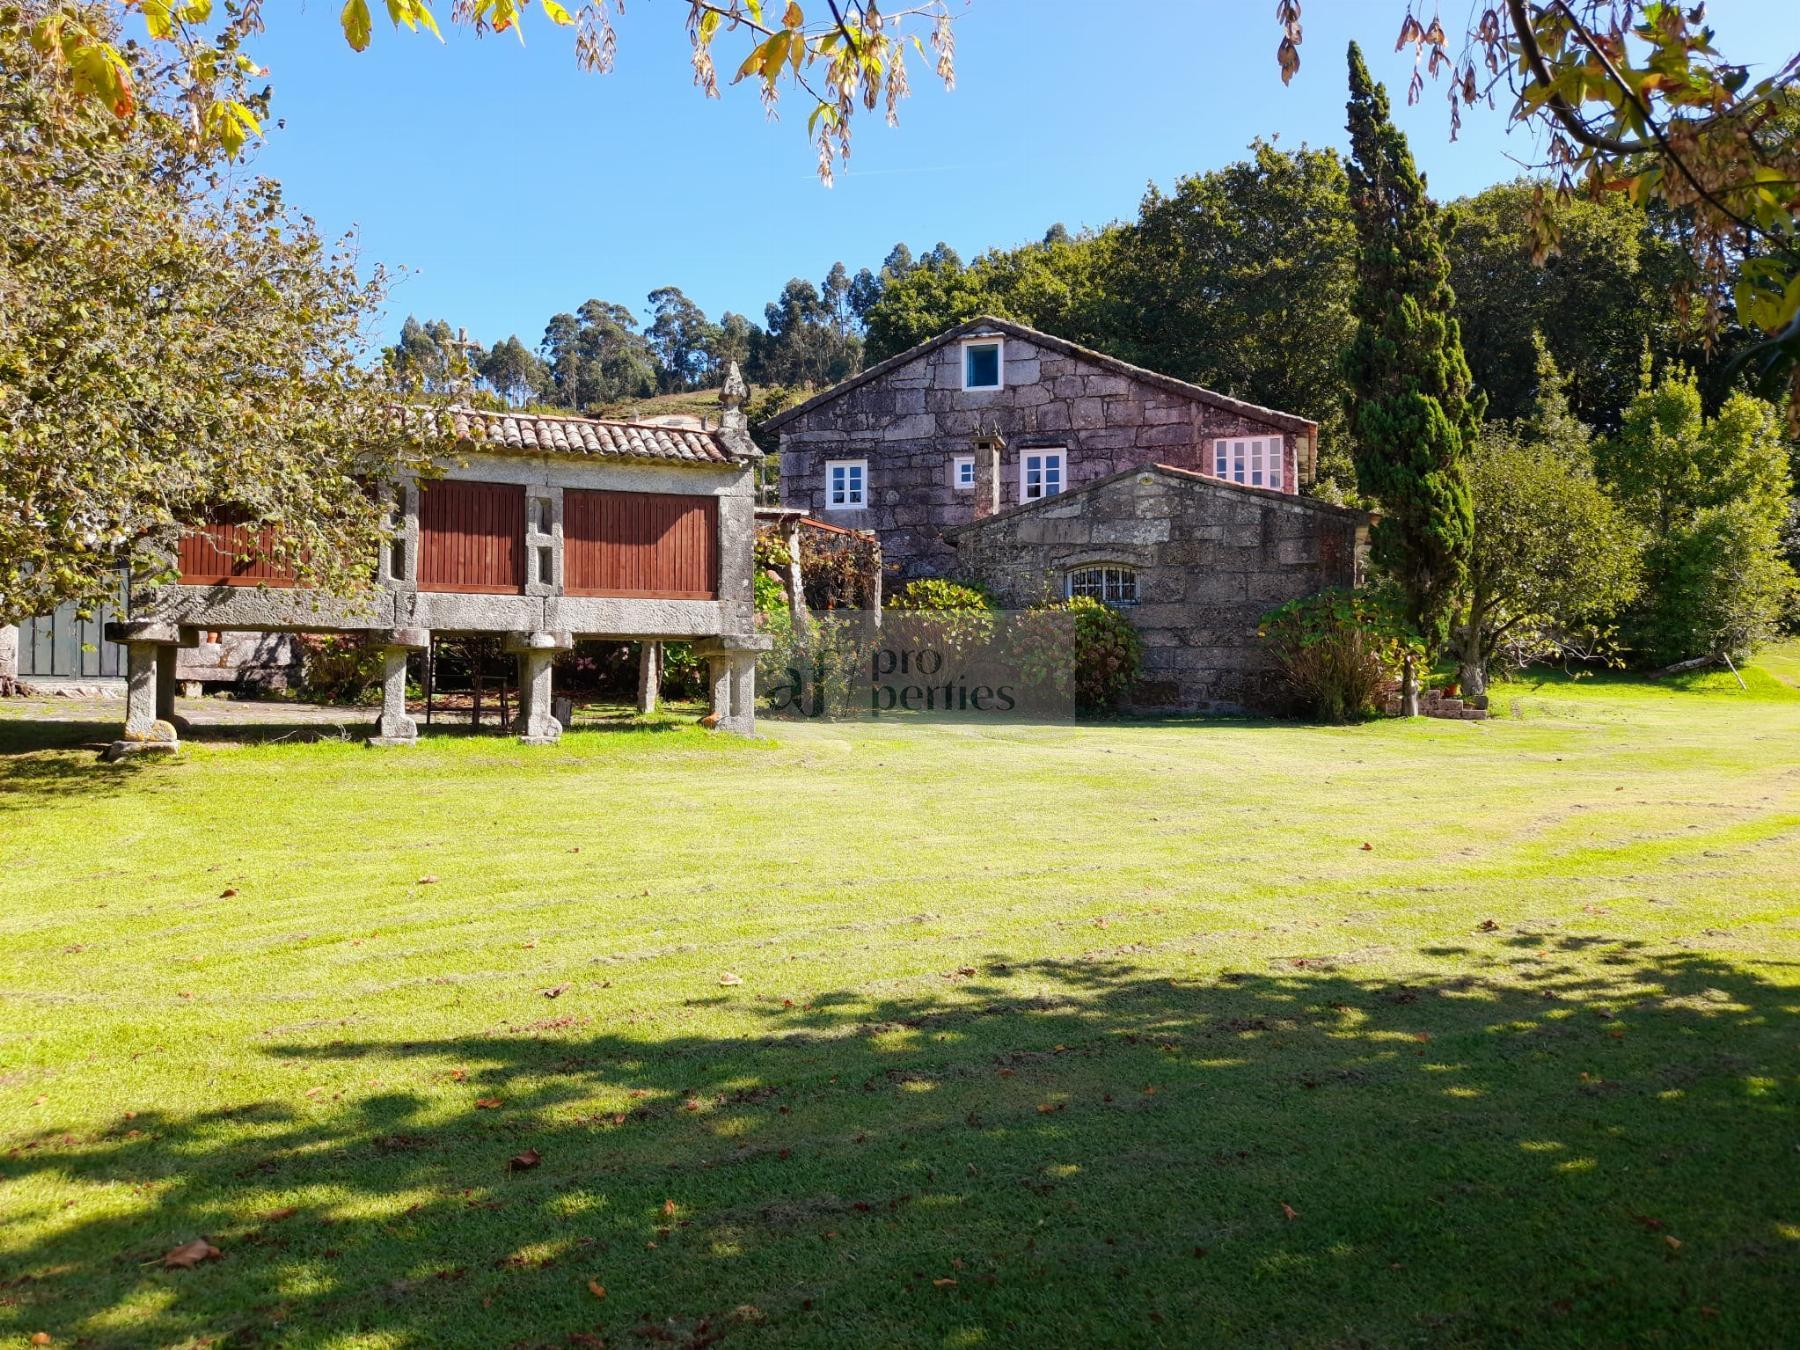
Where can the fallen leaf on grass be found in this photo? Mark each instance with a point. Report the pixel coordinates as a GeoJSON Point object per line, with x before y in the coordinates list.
{"type": "Point", "coordinates": [277, 1215]}
{"type": "Point", "coordinates": [1368, 848]}
{"type": "Point", "coordinates": [40, 1338]}
{"type": "Point", "coordinates": [1046, 1108]}
{"type": "Point", "coordinates": [1488, 926]}
{"type": "Point", "coordinates": [729, 978]}
{"type": "Point", "coordinates": [669, 1208]}
{"type": "Point", "coordinates": [228, 892]}
{"type": "Point", "coordinates": [597, 1289]}
{"type": "Point", "coordinates": [430, 880]}
{"type": "Point", "coordinates": [1674, 1243]}
{"type": "Point", "coordinates": [555, 990]}
{"type": "Point", "coordinates": [945, 1283]}
{"type": "Point", "coordinates": [457, 1075]}
{"type": "Point", "coordinates": [524, 1162]}
{"type": "Point", "coordinates": [190, 1254]}
{"type": "Point", "coordinates": [488, 1103]}
{"type": "Point", "coordinates": [1288, 1211]}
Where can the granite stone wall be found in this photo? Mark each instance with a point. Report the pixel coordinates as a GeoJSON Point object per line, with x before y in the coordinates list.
{"type": "Point", "coordinates": [1211, 559]}
{"type": "Point", "coordinates": [910, 422]}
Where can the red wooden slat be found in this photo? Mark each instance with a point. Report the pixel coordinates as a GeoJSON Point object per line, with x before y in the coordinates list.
{"type": "Point", "coordinates": [211, 555]}
{"type": "Point", "coordinates": [654, 544]}
{"type": "Point", "coordinates": [472, 537]}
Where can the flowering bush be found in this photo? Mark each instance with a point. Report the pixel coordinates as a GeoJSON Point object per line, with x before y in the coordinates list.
{"type": "Point", "coordinates": [1106, 657]}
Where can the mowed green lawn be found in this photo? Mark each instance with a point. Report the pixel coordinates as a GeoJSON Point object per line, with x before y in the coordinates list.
{"type": "Point", "coordinates": [933, 1035]}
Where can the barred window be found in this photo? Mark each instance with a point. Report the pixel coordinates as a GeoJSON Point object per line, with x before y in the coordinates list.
{"type": "Point", "coordinates": [1110, 585]}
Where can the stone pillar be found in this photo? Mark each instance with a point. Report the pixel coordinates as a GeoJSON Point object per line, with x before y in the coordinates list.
{"type": "Point", "coordinates": [731, 677]}
{"type": "Point", "coordinates": [9, 658]}
{"type": "Point", "coordinates": [718, 692]}
{"type": "Point", "coordinates": [146, 730]}
{"type": "Point", "coordinates": [167, 687]}
{"type": "Point", "coordinates": [537, 724]}
{"type": "Point", "coordinates": [877, 574]}
{"type": "Point", "coordinates": [796, 579]}
{"type": "Point", "coordinates": [395, 727]}
{"type": "Point", "coordinates": [649, 675]}
{"type": "Point", "coordinates": [987, 476]}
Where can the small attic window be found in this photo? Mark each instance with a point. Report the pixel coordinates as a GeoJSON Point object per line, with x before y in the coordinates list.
{"type": "Point", "coordinates": [982, 363]}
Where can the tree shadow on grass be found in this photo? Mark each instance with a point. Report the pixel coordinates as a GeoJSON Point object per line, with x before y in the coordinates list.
{"type": "Point", "coordinates": [1055, 1152]}
{"type": "Point", "coordinates": [43, 761]}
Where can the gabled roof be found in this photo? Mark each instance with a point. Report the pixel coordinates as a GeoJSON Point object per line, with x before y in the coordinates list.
{"type": "Point", "coordinates": [1265, 496]}
{"type": "Point", "coordinates": [527, 433]}
{"type": "Point", "coordinates": [989, 324]}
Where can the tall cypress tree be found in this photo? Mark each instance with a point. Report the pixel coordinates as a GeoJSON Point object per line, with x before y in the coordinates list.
{"type": "Point", "coordinates": [1411, 403]}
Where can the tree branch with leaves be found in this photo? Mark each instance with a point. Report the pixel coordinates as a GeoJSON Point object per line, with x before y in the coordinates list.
{"type": "Point", "coordinates": [848, 56]}
{"type": "Point", "coordinates": [1636, 98]}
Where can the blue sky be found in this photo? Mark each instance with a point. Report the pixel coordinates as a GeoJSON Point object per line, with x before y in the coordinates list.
{"type": "Point", "coordinates": [513, 186]}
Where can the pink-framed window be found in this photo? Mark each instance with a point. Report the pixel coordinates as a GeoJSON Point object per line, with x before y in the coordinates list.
{"type": "Point", "coordinates": [1254, 461]}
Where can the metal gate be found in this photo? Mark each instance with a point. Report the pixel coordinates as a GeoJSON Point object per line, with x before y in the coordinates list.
{"type": "Point", "coordinates": [64, 645]}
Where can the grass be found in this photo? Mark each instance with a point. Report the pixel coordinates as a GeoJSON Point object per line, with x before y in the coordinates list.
{"type": "Point", "coordinates": [1112, 1034]}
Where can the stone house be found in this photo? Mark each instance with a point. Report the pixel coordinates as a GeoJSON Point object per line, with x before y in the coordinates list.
{"type": "Point", "coordinates": [1039, 468]}
{"type": "Point", "coordinates": [993, 414]}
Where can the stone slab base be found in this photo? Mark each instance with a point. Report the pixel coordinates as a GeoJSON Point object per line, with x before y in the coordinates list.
{"type": "Point", "coordinates": [121, 749]}
{"type": "Point", "coordinates": [71, 688]}
{"type": "Point", "coordinates": [539, 740]}
{"type": "Point", "coordinates": [390, 742]}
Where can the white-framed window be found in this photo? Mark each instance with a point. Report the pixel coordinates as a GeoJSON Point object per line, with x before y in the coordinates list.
{"type": "Point", "coordinates": [1108, 583]}
{"type": "Point", "coordinates": [962, 473]}
{"type": "Point", "coordinates": [846, 484]}
{"type": "Point", "coordinates": [984, 363]}
{"type": "Point", "coordinates": [1040, 474]}
{"type": "Point", "coordinates": [1255, 461]}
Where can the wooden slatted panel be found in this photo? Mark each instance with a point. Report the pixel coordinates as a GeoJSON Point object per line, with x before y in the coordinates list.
{"type": "Point", "coordinates": [472, 537]}
{"type": "Point", "coordinates": [212, 555]}
{"type": "Point", "coordinates": [656, 544]}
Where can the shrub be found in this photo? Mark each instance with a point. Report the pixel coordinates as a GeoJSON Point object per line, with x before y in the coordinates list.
{"type": "Point", "coordinates": [1721, 585]}
{"type": "Point", "coordinates": [954, 617]}
{"type": "Point", "coordinates": [1338, 651]}
{"type": "Point", "coordinates": [335, 668]}
{"type": "Point", "coordinates": [1106, 658]}
{"type": "Point", "coordinates": [683, 673]}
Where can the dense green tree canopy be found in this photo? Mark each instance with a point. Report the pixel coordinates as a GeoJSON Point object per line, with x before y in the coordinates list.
{"type": "Point", "coordinates": [171, 343]}
{"type": "Point", "coordinates": [1554, 558]}
{"type": "Point", "coordinates": [1240, 279]}
{"type": "Point", "coordinates": [1712, 496]}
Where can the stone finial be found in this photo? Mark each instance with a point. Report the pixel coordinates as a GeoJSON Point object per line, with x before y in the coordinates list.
{"type": "Point", "coordinates": [733, 421]}
{"type": "Point", "coordinates": [734, 393]}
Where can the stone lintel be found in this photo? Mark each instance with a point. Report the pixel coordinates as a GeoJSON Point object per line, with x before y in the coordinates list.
{"type": "Point", "coordinates": [143, 630]}
{"type": "Point", "coordinates": [539, 642]}
{"type": "Point", "coordinates": [731, 644]}
{"type": "Point", "coordinates": [412, 639]}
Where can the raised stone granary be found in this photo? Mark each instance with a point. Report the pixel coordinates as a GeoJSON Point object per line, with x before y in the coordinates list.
{"type": "Point", "coordinates": [1040, 469]}
{"type": "Point", "coordinates": [538, 529]}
